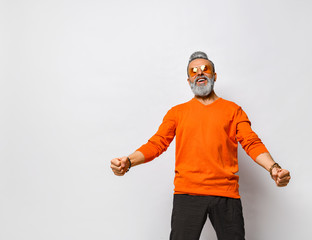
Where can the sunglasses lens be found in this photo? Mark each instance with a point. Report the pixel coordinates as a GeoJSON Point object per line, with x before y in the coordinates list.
{"type": "Point", "coordinates": [206, 69]}
{"type": "Point", "coordinates": [193, 71]}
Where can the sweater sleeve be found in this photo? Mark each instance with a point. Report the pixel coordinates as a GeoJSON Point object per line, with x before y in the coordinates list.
{"type": "Point", "coordinates": [249, 140]}
{"type": "Point", "coordinates": [160, 141]}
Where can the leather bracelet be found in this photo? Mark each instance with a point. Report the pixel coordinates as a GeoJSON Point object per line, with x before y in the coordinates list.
{"type": "Point", "coordinates": [273, 166]}
{"type": "Point", "coordinates": [129, 164]}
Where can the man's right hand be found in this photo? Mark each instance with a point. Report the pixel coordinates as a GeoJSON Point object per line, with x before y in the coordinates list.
{"type": "Point", "coordinates": [120, 166]}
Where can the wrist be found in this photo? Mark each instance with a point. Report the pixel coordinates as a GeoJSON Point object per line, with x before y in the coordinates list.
{"type": "Point", "coordinates": [275, 165]}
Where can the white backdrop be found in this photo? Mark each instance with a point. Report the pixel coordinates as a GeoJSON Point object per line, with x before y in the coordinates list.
{"type": "Point", "coordinates": [84, 81]}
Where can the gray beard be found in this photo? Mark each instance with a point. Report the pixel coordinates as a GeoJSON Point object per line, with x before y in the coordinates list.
{"type": "Point", "coordinates": [202, 91]}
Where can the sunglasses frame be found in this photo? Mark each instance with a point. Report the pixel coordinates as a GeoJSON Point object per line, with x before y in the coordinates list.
{"type": "Point", "coordinates": [202, 67]}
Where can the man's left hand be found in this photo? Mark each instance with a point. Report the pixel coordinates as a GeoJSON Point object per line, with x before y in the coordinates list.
{"type": "Point", "coordinates": [281, 177]}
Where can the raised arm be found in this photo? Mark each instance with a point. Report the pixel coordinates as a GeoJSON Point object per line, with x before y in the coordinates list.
{"type": "Point", "coordinates": [254, 147]}
{"type": "Point", "coordinates": [155, 146]}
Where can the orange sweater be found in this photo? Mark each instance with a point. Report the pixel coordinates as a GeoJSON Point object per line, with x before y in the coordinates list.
{"type": "Point", "coordinates": [206, 146]}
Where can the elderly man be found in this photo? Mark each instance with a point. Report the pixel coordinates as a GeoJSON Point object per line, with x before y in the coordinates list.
{"type": "Point", "coordinates": [207, 129]}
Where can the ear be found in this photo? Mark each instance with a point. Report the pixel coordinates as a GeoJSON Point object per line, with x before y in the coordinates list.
{"type": "Point", "coordinates": [215, 76]}
{"type": "Point", "coordinates": [188, 80]}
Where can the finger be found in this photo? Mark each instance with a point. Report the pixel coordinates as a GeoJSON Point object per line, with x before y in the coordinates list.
{"type": "Point", "coordinates": [118, 172]}
{"type": "Point", "coordinates": [115, 168]}
{"type": "Point", "coordinates": [123, 164]}
{"type": "Point", "coordinates": [116, 162]}
{"type": "Point", "coordinates": [123, 161]}
{"type": "Point", "coordinates": [285, 177]}
{"type": "Point", "coordinates": [282, 173]}
{"type": "Point", "coordinates": [282, 184]}
{"type": "Point", "coordinates": [283, 180]}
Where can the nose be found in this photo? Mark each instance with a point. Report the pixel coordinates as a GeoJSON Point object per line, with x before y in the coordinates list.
{"type": "Point", "coordinates": [199, 71]}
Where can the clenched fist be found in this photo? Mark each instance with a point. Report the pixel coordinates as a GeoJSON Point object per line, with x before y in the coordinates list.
{"type": "Point", "coordinates": [120, 165]}
{"type": "Point", "coordinates": [281, 177]}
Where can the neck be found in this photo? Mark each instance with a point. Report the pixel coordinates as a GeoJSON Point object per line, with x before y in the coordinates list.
{"type": "Point", "coordinates": [207, 99]}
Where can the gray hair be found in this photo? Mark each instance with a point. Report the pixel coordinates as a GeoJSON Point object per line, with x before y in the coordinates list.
{"type": "Point", "coordinates": [202, 55]}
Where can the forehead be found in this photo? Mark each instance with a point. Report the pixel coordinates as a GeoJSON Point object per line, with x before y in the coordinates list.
{"type": "Point", "coordinates": [198, 62]}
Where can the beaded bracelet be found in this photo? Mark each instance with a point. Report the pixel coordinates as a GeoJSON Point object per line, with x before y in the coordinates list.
{"type": "Point", "coordinates": [129, 164]}
{"type": "Point", "coordinates": [273, 166]}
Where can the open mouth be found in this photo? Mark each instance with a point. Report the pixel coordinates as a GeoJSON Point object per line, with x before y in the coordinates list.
{"type": "Point", "coordinates": [201, 80]}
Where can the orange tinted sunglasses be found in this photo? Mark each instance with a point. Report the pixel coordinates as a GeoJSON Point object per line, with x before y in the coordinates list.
{"type": "Point", "coordinates": [204, 68]}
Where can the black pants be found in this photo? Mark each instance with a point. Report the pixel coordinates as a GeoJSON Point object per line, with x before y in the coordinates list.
{"type": "Point", "coordinates": [190, 212]}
